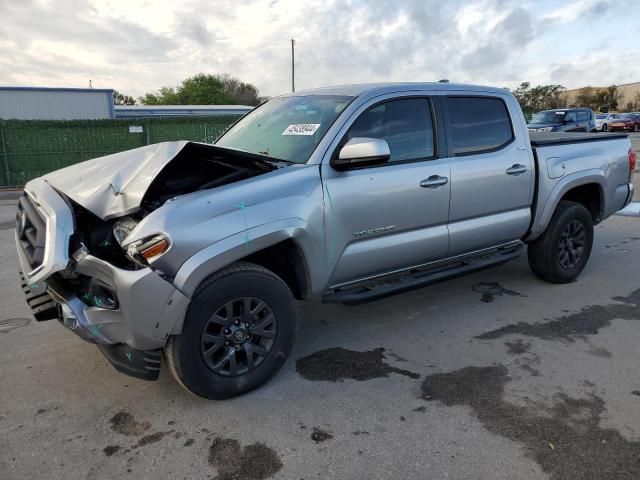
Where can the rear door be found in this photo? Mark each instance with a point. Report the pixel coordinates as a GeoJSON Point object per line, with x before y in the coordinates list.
{"type": "Point", "coordinates": [571, 123]}
{"type": "Point", "coordinates": [491, 172]}
{"type": "Point", "coordinates": [392, 216]}
{"type": "Point", "coordinates": [582, 124]}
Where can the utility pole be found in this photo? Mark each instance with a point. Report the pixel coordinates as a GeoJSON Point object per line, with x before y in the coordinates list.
{"type": "Point", "coordinates": [293, 66]}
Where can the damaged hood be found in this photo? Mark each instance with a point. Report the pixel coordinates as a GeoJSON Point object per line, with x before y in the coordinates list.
{"type": "Point", "coordinates": [114, 185]}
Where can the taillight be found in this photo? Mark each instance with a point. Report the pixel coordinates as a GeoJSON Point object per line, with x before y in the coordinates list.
{"type": "Point", "coordinates": [633, 156]}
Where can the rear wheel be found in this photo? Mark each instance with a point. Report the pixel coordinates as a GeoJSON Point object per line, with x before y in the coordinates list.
{"type": "Point", "coordinates": [636, 127]}
{"type": "Point", "coordinates": [238, 332]}
{"type": "Point", "coordinates": [562, 251]}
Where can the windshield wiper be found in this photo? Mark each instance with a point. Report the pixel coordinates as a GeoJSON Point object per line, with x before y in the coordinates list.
{"type": "Point", "coordinates": [269, 159]}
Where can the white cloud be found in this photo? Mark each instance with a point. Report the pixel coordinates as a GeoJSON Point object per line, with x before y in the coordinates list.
{"type": "Point", "coordinates": [139, 46]}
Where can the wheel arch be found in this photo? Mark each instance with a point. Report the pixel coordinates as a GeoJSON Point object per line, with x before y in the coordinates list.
{"type": "Point", "coordinates": [586, 188]}
{"type": "Point", "coordinates": [287, 260]}
{"type": "Point", "coordinates": [281, 247]}
{"type": "Point", "coordinates": [591, 195]}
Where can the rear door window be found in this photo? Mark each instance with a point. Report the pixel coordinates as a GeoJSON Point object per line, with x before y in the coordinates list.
{"type": "Point", "coordinates": [478, 124]}
{"type": "Point", "coordinates": [582, 116]}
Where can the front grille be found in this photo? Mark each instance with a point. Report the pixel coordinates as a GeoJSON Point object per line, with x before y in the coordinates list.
{"type": "Point", "coordinates": [32, 231]}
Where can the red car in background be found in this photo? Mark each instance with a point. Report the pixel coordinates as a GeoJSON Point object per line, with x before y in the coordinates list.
{"type": "Point", "coordinates": [627, 121]}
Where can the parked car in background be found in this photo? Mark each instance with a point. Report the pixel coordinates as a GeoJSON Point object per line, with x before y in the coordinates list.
{"type": "Point", "coordinates": [603, 120]}
{"type": "Point", "coordinates": [626, 121]}
{"type": "Point", "coordinates": [564, 120]}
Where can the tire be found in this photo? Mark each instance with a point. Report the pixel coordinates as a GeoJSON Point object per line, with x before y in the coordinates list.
{"type": "Point", "coordinates": [570, 230]}
{"type": "Point", "coordinates": [605, 127]}
{"type": "Point", "coordinates": [256, 348]}
{"type": "Point", "coordinates": [636, 127]}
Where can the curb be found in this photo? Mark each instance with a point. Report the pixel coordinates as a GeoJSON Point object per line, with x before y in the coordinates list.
{"type": "Point", "coordinates": [631, 210]}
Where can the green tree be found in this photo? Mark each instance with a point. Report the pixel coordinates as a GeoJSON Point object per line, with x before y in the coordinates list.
{"type": "Point", "coordinates": [586, 97]}
{"type": "Point", "coordinates": [205, 89]}
{"type": "Point", "coordinates": [121, 99]}
{"type": "Point", "coordinates": [609, 98]}
{"type": "Point", "coordinates": [541, 97]}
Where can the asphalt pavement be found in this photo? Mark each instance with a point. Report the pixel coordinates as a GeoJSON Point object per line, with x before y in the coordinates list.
{"type": "Point", "coordinates": [495, 376]}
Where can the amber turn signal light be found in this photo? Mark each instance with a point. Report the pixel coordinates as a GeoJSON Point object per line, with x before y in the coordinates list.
{"type": "Point", "coordinates": [156, 248]}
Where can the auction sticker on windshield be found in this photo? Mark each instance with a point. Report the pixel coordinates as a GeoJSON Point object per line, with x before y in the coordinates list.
{"type": "Point", "coordinates": [301, 129]}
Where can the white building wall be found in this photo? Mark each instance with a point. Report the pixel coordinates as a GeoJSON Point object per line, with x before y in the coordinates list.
{"type": "Point", "coordinates": [55, 104]}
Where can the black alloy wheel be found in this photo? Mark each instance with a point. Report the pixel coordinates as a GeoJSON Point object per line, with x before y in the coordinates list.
{"type": "Point", "coordinates": [572, 243]}
{"type": "Point", "coordinates": [238, 336]}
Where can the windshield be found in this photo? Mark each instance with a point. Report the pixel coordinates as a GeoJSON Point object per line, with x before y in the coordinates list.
{"type": "Point", "coordinates": [287, 128]}
{"type": "Point", "coordinates": [602, 116]}
{"type": "Point", "coordinates": [551, 116]}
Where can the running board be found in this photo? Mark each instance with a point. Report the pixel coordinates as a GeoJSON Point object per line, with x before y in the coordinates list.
{"type": "Point", "coordinates": [411, 280]}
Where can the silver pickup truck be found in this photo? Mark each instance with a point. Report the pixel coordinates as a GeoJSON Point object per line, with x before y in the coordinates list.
{"type": "Point", "coordinates": [343, 194]}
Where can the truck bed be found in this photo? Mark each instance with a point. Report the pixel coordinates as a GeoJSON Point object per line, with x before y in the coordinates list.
{"type": "Point", "coordinates": [551, 138]}
{"type": "Point", "coordinates": [566, 160]}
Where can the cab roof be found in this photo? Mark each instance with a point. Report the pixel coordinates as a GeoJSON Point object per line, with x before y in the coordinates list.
{"type": "Point", "coordinates": [356, 90]}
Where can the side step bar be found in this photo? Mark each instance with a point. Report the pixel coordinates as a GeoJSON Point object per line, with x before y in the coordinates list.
{"type": "Point", "coordinates": [363, 293]}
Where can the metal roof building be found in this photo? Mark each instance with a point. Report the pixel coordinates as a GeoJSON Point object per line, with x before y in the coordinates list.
{"type": "Point", "coordinates": [145, 111]}
{"type": "Point", "coordinates": [44, 103]}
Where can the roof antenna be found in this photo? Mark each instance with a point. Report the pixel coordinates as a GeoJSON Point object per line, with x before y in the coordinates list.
{"type": "Point", "coordinates": [444, 80]}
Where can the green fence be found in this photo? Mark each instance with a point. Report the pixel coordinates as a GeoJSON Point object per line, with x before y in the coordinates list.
{"type": "Point", "coordinates": [29, 149]}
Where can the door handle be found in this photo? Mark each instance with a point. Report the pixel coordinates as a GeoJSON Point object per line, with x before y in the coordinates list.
{"type": "Point", "coordinates": [516, 169]}
{"type": "Point", "coordinates": [434, 181]}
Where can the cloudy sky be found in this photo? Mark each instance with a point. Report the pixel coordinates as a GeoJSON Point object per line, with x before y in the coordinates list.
{"type": "Point", "coordinates": [139, 46]}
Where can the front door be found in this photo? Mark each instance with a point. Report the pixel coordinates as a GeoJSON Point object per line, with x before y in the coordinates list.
{"type": "Point", "coordinates": [491, 174]}
{"type": "Point", "coordinates": [380, 219]}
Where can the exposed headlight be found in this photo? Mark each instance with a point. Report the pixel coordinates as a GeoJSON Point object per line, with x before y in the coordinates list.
{"type": "Point", "coordinates": [142, 251]}
{"type": "Point", "coordinates": [122, 228]}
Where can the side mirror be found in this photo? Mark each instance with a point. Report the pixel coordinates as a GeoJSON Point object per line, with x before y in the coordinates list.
{"type": "Point", "coordinates": [362, 152]}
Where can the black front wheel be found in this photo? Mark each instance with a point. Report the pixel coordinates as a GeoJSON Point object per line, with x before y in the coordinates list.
{"type": "Point", "coordinates": [562, 251]}
{"type": "Point", "coordinates": [238, 332]}
{"type": "Point", "coordinates": [605, 127]}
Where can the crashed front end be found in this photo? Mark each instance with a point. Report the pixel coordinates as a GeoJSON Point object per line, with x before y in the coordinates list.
{"type": "Point", "coordinates": [69, 272]}
{"type": "Point", "coordinates": [95, 244]}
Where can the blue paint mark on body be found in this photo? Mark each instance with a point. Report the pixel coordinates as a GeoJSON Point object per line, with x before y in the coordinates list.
{"type": "Point", "coordinates": [247, 237]}
{"type": "Point", "coordinates": [95, 329]}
